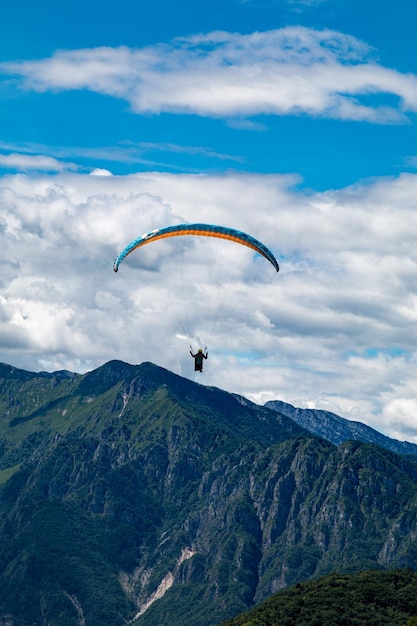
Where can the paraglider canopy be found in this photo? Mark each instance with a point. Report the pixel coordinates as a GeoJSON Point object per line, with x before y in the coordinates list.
{"type": "Point", "coordinates": [198, 313]}
{"type": "Point", "coordinates": [205, 230]}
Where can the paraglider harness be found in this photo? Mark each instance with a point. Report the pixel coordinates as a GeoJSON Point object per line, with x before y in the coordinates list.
{"type": "Point", "coordinates": [198, 358]}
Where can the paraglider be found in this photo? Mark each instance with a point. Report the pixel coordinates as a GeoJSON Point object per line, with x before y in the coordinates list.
{"type": "Point", "coordinates": [198, 358]}
{"type": "Point", "coordinates": [199, 230]}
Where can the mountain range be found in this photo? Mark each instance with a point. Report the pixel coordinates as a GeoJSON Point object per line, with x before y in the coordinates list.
{"type": "Point", "coordinates": [338, 429]}
{"type": "Point", "coordinates": [132, 495]}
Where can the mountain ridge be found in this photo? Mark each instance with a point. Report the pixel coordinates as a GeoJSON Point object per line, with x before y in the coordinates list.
{"type": "Point", "coordinates": [338, 429]}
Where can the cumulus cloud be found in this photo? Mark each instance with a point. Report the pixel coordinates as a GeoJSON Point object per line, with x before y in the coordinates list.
{"type": "Point", "coordinates": [335, 329]}
{"type": "Point", "coordinates": [290, 71]}
{"type": "Point", "coordinates": [99, 171]}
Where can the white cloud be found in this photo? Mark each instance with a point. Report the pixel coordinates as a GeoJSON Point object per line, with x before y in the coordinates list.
{"type": "Point", "coordinates": [335, 329]}
{"type": "Point", "coordinates": [290, 71]}
{"type": "Point", "coordinates": [38, 162]}
{"type": "Point", "coordinates": [27, 156]}
{"type": "Point", "coordinates": [99, 171]}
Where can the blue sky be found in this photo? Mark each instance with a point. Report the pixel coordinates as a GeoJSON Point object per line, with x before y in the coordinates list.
{"type": "Point", "coordinates": [321, 150]}
{"type": "Point", "coordinates": [292, 120]}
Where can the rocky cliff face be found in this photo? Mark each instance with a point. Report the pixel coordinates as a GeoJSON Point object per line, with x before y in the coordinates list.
{"type": "Point", "coordinates": [130, 493]}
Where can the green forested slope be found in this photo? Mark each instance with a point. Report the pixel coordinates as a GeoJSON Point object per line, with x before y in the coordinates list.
{"type": "Point", "coordinates": [370, 598]}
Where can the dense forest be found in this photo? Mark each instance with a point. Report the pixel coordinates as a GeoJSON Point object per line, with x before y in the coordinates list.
{"type": "Point", "coordinates": [370, 598]}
